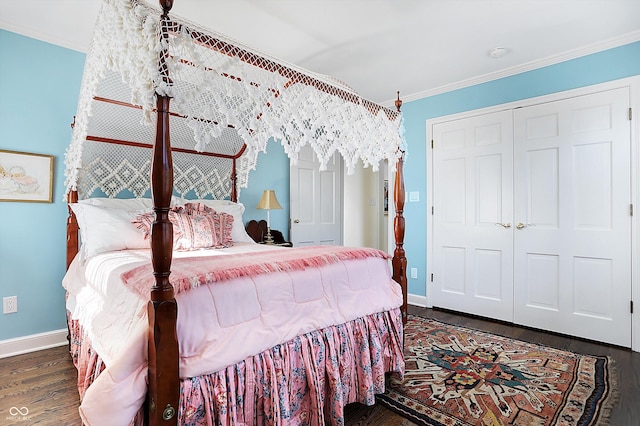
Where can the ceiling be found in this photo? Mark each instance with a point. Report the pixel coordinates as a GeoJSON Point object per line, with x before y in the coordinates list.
{"type": "Point", "coordinates": [418, 47]}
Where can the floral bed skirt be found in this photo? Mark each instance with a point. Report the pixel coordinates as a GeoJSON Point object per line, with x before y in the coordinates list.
{"type": "Point", "coordinates": [305, 381]}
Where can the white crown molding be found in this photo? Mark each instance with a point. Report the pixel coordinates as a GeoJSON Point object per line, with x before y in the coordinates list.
{"type": "Point", "coordinates": [32, 343]}
{"type": "Point", "coordinates": [45, 37]}
{"type": "Point", "coordinates": [529, 66]}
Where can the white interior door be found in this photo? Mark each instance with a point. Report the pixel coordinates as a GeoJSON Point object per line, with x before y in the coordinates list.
{"type": "Point", "coordinates": [473, 211]}
{"type": "Point", "coordinates": [316, 201]}
{"type": "Point", "coordinates": [572, 196]}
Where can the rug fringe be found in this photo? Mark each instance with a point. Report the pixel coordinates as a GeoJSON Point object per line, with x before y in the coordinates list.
{"type": "Point", "coordinates": [610, 401]}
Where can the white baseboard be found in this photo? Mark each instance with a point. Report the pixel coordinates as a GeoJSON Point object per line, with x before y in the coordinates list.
{"type": "Point", "coordinates": [32, 343]}
{"type": "Point", "coordinates": [416, 300]}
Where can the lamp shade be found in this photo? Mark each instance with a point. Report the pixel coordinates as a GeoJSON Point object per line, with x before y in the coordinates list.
{"type": "Point", "coordinates": [269, 201]}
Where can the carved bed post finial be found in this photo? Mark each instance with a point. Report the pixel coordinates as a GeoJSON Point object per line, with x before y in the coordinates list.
{"type": "Point", "coordinates": [166, 6]}
{"type": "Point", "coordinates": [399, 261]}
{"type": "Point", "coordinates": [398, 102]}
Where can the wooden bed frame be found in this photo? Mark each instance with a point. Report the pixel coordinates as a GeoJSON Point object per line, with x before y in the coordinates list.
{"type": "Point", "coordinates": [163, 358]}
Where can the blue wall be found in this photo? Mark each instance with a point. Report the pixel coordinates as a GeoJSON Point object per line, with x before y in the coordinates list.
{"type": "Point", "coordinates": [269, 174]}
{"type": "Point", "coordinates": [39, 88]}
{"type": "Point", "coordinates": [38, 100]}
{"type": "Point", "coordinates": [612, 64]}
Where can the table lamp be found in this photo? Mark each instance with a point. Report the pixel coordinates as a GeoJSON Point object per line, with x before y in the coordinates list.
{"type": "Point", "coordinates": [268, 202]}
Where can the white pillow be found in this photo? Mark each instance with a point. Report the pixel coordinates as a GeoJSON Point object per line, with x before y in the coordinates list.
{"type": "Point", "coordinates": [214, 204]}
{"type": "Point", "coordinates": [177, 201]}
{"type": "Point", "coordinates": [119, 203]}
{"type": "Point", "coordinates": [139, 203]}
{"type": "Point", "coordinates": [238, 233]}
{"type": "Point", "coordinates": [107, 229]}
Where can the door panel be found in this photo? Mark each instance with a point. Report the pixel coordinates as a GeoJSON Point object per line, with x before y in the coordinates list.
{"type": "Point", "coordinates": [572, 257]}
{"type": "Point", "coordinates": [472, 195]}
{"type": "Point", "coordinates": [488, 274]}
{"type": "Point", "coordinates": [543, 277]}
{"type": "Point", "coordinates": [543, 188]}
{"type": "Point", "coordinates": [316, 201]}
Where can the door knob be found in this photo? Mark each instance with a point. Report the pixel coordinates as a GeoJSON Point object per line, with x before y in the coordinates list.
{"type": "Point", "coordinates": [296, 221]}
{"type": "Point", "coordinates": [520, 225]}
{"type": "Point", "coordinates": [504, 225]}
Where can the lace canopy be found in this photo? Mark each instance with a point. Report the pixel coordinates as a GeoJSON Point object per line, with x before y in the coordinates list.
{"type": "Point", "coordinates": [226, 99]}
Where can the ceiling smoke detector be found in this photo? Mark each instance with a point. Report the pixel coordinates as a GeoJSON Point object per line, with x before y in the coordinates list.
{"type": "Point", "coordinates": [498, 52]}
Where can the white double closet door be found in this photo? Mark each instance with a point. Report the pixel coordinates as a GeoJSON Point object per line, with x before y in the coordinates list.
{"type": "Point", "coordinates": [531, 216]}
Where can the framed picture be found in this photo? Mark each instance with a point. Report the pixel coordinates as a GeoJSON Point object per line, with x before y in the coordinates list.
{"type": "Point", "coordinates": [26, 177]}
{"type": "Point", "coordinates": [385, 196]}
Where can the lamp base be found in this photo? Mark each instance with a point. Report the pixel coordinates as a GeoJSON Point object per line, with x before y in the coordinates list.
{"type": "Point", "coordinates": [268, 239]}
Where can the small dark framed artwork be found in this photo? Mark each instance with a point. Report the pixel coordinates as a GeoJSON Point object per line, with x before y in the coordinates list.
{"type": "Point", "coordinates": [385, 196]}
{"type": "Point", "coordinates": [26, 177]}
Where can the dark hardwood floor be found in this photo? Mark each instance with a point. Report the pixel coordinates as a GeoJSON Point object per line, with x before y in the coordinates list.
{"type": "Point", "coordinates": [45, 381]}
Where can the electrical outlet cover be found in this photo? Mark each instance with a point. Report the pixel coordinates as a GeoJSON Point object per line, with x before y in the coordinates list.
{"type": "Point", "coordinates": [10, 305]}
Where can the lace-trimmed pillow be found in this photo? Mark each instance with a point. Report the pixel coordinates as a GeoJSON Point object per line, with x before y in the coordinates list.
{"type": "Point", "coordinates": [194, 232]}
{"type": "Point", "coordinates": [222, 222]}
{"type": "Point", "coordinates": [224, 228]}
{"type": "Point", "coordinates": [195, 225]}
{"type": "Point", "coordinates": [143, 222]}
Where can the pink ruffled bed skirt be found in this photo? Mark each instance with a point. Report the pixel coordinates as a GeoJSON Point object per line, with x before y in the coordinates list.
{"type": "Point", "coordinates": [305, 381]}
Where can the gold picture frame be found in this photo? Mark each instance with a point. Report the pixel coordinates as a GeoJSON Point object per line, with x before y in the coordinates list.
{"type": "Point", "coordinates": [26, 177]}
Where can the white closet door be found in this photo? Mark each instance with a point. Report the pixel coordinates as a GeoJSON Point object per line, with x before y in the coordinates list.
{"type": "Point", "coordinates": [572, 251]}
{"type": "Point", "coordinates": [316, 201]}
{"type": "Point", "coordinates": [473, 211]}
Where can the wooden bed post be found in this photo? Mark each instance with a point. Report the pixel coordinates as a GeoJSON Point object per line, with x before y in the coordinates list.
{"type": "Point", "coordinates": [72, 228]}
{"type": "Point", "coordinates": [72, 221]}
{"type": "Point", "coordinates": [164, 380]}
{"type": "Point", "coordinates": [234, 182]}
{"type": "Point", "coordinates": [399, 261]}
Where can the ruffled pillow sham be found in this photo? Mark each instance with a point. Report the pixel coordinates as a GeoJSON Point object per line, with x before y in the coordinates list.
{"type": "Point", "coordinates": [196, 226]}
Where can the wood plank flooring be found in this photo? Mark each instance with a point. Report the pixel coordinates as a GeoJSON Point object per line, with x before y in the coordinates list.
{"type": "Point", "coordinates": [45, 381]}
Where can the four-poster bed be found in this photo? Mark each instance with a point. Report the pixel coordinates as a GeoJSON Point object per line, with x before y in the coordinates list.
{"type": "Point", "coordinates": [229, 100]}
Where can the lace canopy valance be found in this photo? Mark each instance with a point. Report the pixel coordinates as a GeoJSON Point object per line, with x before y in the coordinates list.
{"type": "Point", "coordinates": [226, 99]}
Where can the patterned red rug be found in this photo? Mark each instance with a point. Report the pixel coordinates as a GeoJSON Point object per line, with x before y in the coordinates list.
{"type": "Point", "coordinates": [459, 376]}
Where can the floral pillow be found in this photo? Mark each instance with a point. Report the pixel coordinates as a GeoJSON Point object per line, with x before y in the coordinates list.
{"type": "Point", "coordinates": [195, 226]}
{"type": "Point", "coordinates": [193, 232]}
{"type": "Point", "coordinates": [143, 222]}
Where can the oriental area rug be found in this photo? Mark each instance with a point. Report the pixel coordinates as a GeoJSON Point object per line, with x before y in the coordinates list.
{"type": "Point", "coordinates": [458, 376]}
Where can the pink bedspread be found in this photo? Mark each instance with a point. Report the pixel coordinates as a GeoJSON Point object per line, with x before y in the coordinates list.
{"type": "Point", "coordinates": [223, 325]}
{"type": "Point", "coordinates": [191, 272]}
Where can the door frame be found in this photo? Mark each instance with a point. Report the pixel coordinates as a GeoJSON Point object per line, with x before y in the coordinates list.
{"type": "Point", "coordinates": [633, 84]}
